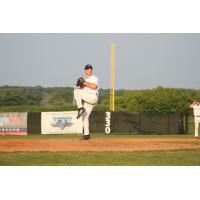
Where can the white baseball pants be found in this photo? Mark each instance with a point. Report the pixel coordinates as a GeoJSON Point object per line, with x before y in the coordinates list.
{"type": "Point", "coordinates": [196, 122]}
{"type": "Point", "coordinates": [88, 101]}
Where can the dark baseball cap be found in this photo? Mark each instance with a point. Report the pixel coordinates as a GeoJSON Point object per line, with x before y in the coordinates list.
{"type": "Point", "coordinates": [88, 66]}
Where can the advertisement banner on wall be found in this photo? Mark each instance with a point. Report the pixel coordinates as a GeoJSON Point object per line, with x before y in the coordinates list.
{"type": "Point", "coordinates": [61, 123]}
{"type": "Point", "coordinates": [13, 123]}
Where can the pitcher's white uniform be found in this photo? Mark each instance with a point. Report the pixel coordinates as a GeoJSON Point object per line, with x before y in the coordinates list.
{"type": "Point", "coordinates": [196, 109]}
{"type": "Point", "coordinates": [87, 98]}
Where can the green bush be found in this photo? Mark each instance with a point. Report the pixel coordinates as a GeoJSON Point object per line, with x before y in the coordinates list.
{"type": "Point", "coordinates": [157, 100]}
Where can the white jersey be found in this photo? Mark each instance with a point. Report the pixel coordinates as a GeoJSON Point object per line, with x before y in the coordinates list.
{"type": "Point", "coordinates": [92, 79]}
{"type": "Point", "coordinates": [196, 109]}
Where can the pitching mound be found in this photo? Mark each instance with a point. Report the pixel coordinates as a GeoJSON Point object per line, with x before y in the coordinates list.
{"type": "Point", "coordinates": [98, 144]}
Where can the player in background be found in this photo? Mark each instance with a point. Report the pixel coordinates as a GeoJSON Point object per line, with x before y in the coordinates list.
{"type": "Point", "coordinates": [86, 97]}
{"type": "Point", "coordinates": [196, 108]}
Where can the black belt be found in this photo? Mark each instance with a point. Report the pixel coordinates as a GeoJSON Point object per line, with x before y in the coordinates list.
{"type": "Point", "coordinates": [197, 116]}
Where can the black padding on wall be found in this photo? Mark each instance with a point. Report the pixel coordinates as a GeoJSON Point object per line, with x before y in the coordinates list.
{"type": "Point", "coordinates": [34, 123]}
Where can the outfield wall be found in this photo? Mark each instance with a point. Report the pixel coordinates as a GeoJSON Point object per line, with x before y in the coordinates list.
{"type": "Point", "coordinates": [34, 123]}
{"type": "Point", "coordinates": [121, 122]}
{"type": "Point", "coordinates": [101, 122]}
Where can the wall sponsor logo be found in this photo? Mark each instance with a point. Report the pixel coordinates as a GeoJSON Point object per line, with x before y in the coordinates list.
{"type": "Point", "coordinates": [108, 123]}
{"type": "Point", "coordinates": [62, 122]}
{"type": "Point", "coordinates": [13, 123]}
{"type": "Point", "coordinates": [10, 120]}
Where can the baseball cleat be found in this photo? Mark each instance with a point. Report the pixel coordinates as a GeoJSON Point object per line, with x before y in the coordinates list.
{"type": "Point", "coordinates": [85, 137]}
{"type": "Point", "coordinates": [80, 112]}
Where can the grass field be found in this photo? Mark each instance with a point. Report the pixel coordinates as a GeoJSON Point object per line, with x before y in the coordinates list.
{"type": "Point", "coordinates": [154, 158]}
{"type": "Point", "coordinates": [141, 158]}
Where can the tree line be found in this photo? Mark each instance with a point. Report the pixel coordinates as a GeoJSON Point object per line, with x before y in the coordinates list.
{"type": "Point", "coordinates": [157, 100]}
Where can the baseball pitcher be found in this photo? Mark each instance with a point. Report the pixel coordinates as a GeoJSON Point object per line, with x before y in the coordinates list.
{"type": "Point", "coordinates": [86, 96]}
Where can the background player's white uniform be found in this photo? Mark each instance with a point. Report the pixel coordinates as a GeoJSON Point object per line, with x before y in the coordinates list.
{"type": "Point", "coordinates": [196, 109]}
{"type": "Point", "coordinates": [87, 98]}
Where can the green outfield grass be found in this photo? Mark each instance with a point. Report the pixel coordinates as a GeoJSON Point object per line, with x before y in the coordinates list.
{"type": "Point", "coordinates": [95, 135]}
{"type": "Point", "coordinates": [153, 158]}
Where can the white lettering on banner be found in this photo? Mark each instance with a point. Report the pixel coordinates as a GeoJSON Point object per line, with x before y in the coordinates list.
{"type": "Point", "coordinates": [108, 123]}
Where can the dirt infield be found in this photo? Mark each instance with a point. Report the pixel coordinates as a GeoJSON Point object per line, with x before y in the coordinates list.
{"type": "Point", "coordinates": [97, 144]}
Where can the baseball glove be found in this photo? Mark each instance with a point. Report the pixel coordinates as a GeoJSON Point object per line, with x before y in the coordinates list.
{"type": "Point", "coordinates": [80, 82]}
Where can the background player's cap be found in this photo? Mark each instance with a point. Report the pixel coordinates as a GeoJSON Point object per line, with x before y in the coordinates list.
{"type": "Point", "coordinates": [88, 66]}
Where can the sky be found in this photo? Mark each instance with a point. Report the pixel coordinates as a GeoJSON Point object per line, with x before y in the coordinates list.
{"type": "Point", "coordinates": [143, 61]}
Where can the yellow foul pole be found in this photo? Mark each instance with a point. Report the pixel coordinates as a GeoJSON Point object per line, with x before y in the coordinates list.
{"type": "Point", "coordinates": [112, 88]}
